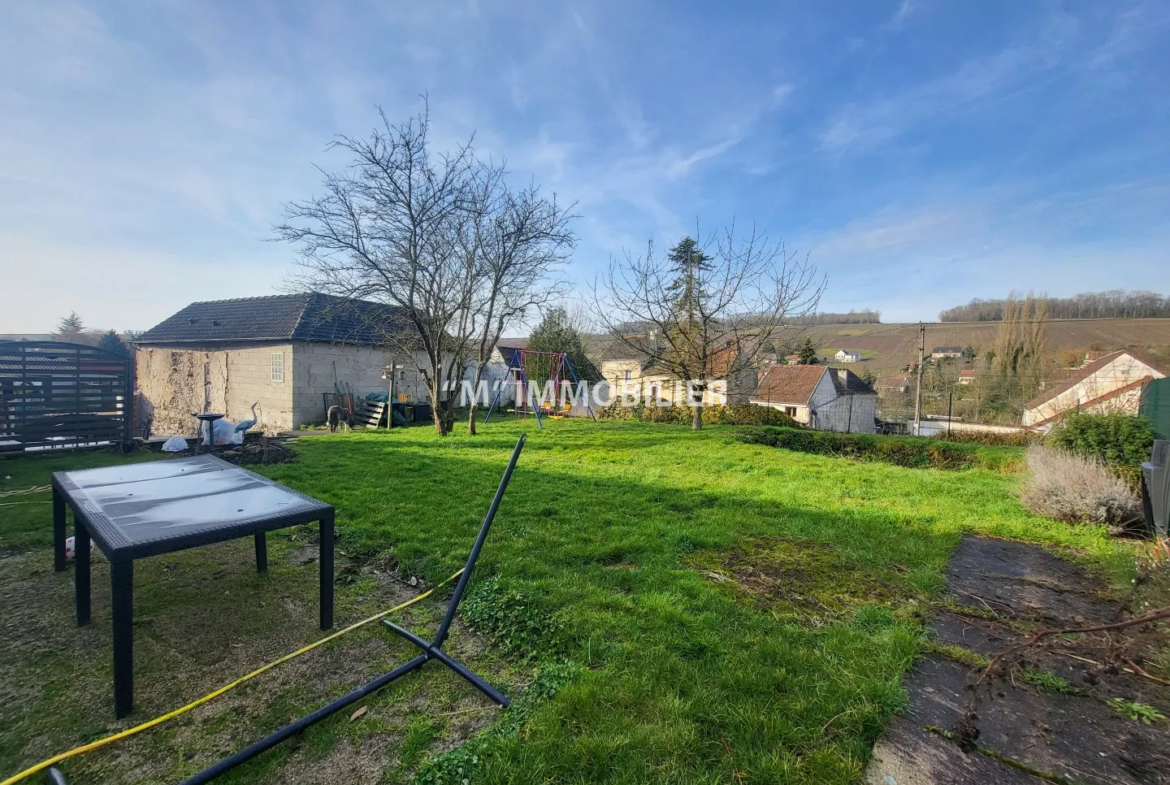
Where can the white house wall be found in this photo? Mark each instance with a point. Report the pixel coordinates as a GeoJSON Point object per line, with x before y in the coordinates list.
{"type": "Point", "coordinates": [848, 414]}
{"type": "Point", "coordinates": [719, 392]}
{"type": "Point", "coordinates": [1122, 371]}
{"type": "Point", "coordinates": [801, 415]}
{"type": "Point", "coordinates": [495, 371]}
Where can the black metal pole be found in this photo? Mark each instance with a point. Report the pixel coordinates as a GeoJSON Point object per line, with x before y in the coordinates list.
{"type": "Point", "coordinates": [251, 751]}
{"type": "Point", "coordinates": [498, 697]}
{"type": "Point", "coordinates": [461, 587]}
{"type": "Point", "coordinates": [431, 651]}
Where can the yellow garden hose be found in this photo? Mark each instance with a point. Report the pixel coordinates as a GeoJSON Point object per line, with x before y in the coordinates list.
{"type": "Point", "coordinates": [93, 745]}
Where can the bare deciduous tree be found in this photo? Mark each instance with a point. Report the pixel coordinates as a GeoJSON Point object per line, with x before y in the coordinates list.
{"type": "Point", "coordinates": [520, 238]}
{"type": "Point", "coordinates": [438, 236]}
{"type": "Point", "coordinates": [707, 310]}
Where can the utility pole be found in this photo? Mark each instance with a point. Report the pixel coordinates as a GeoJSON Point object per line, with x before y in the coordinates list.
{"type": "Point", "coordinates": [918, 392]}
{"type": "Point", "coordinates": [950, 408]}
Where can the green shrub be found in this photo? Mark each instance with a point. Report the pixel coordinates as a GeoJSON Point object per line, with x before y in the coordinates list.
{"type": "Point", "coordinates": [1118, 440]}
{"type": "Point", "coordinates": [991, 438]}
{"type": "Point", "coordinates": [738, 414]}
{"type": "Point", "coordinates": [748, 414]}
{"type": "Point", "coordinates": [910, 452]}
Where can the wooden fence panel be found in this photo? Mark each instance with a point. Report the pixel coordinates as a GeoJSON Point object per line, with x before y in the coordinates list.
{"type": "Point", "coordinates": [56, 395]}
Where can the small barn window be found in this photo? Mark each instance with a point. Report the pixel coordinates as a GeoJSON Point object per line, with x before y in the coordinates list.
{"type": "Point", "coordinates": [277, 374]}
{"type": "Point", "coordinates": [629, 375]}
{"type": "Point", "coordinates": [790, 411]}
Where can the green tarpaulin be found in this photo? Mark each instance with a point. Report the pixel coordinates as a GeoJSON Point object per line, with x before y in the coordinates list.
{"type": "Point", "coordinates": [1155, 406]}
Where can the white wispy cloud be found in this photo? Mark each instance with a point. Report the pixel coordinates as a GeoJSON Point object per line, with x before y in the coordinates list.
{"type": "Point", "coordinates": [163, 140]}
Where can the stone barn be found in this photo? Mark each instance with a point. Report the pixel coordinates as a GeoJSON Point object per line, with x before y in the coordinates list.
{"type": "Point", "coordinates": [285, 352]}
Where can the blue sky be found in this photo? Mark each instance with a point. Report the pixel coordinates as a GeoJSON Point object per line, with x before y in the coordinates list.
{"type": "Point", "coordinates": [924, 152]}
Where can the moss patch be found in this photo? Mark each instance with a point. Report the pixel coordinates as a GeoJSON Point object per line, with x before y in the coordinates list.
{"type": "Point", "coordinates": [795, 579]}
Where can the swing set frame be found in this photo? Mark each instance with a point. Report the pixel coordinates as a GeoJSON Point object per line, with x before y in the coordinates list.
{"type": "Point", "coordinates": [558, 368]}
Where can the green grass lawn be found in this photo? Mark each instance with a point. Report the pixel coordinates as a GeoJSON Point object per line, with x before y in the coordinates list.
{"type": "Point", "coordinates": [667, 606]}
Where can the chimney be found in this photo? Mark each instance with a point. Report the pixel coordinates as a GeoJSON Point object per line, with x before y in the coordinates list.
{"type": "Point", "coordinates": [843, 375]}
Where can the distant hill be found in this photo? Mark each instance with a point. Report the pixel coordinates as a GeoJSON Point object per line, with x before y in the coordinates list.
{"type": "Point", "coordinates": [1116, 304]}
{"type": "Point", "coordinates": [887, 348]}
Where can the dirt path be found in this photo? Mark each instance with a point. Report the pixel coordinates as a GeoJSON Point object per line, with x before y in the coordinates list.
{"type": "Point", "coordinates": [1056, 713]}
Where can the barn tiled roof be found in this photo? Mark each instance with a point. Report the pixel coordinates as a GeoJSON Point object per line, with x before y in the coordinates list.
{"type": "Point", "coordinates": [789, 384]}
{"type": "Point", "coordinates": [309, 316]}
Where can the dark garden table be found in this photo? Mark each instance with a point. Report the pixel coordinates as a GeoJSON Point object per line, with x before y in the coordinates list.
{"type": "Point", "coordinates": [146, 509]}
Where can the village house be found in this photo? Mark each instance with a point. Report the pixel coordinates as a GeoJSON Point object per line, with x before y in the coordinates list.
{"type": "Point", "coordinates": [287, 353]}
{"type": "Point", "coordinates": [843, 356]}
{"type": "Point", "coordinates": [943, 352]}
{"type": "Point", "coordinates": [638, 377]}
{"type": "Point", "coordinates": [966, 376]}
{"type": "Point", "coordinates": [1111, 383]}
{"type": "Point", "coordinates": [827, 399]}
{"type": "Point", "coordinates": [884, 385]}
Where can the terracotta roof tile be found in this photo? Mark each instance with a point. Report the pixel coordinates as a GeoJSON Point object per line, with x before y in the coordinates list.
{"type": "Point", "coordinates": [789, 384]}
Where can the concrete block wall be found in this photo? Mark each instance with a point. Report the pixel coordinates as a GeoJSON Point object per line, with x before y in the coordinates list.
{"type": "Point", "coordinates": [250, 381]}
{"type": "Point", "coordinates": [319, 367]}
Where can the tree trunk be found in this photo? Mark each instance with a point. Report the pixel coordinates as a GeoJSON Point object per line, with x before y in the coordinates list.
{"type": "Point", "coordinates": [697, 418]}
{"type": "Point", "coordinates": [437, 415]}
{"type": "Point", "coordinates": [473, 405]}
{"type": "Point", "coordinates": [449, 413]}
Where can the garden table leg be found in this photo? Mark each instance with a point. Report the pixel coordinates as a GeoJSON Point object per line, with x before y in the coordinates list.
{"type": "Point", "coordinates": [81, 575]}
{"type": "Point", "coordinates": [326, 558]}
{"type": "Point", "coordinates": [122, 608]}
{"type": "Point", "coordinates": [261, 552]}
{"type": "Point", "coordinates": [58, 529]}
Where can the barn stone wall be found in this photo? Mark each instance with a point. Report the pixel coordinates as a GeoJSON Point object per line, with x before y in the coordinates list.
{"type": "Point", "coordinates": [174, 383]}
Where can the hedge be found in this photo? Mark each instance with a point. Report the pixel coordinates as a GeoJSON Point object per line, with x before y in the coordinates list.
{"type": "Point", "coordinates": [910, 452]}
{"type": "Point", "coordinates": [1120, 441]}
{"type": "Point", "coordinates": [738, 414]}
{"type": "Point", "coordinates": [990, 438]}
